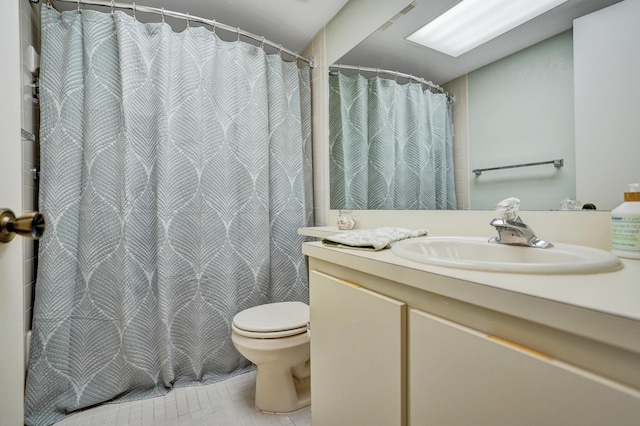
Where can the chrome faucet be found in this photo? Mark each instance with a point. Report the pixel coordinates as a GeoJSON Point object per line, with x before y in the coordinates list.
{"type": "Point", "coordinates": [511, 229]}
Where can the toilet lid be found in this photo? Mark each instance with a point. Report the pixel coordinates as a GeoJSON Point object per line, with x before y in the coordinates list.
{"type": "Point", "coordinates": [281, 319]}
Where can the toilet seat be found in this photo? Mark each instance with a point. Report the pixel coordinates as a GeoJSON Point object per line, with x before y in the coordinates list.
{"type": "Point", "coordinates": [272, 321]}
{"type": "Point", "coordinates": [269, 335]}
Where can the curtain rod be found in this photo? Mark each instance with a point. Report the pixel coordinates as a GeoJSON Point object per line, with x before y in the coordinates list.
{"type": "Point", "coordinates": [393, 74]}
{"type": "Point", "coordinates": [164, 12]}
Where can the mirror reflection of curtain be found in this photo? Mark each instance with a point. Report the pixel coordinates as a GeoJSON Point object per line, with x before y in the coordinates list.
{"type": "Point", "coordinates": [391, 146]}
{"type": "Point", "coordinates": [174, 178]}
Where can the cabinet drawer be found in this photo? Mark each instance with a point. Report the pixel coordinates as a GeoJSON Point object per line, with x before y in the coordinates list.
{"type": "Point", "coordinates": [458, 376]}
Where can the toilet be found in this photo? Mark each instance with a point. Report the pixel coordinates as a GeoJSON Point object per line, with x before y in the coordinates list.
{"type": "Point", "coordinates": [274, 337]}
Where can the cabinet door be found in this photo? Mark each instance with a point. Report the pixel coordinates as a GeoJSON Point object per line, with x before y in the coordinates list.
{"type": "Point", "coordinates": [357, 355]}
{"type": "Point", "coordinates": [458, 376]}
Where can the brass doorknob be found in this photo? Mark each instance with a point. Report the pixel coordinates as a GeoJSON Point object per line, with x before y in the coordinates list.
{"type": "Point", "coordinates": [30, 225]}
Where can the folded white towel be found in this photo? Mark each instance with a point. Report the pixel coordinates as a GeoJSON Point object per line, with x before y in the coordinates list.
{"type": "Point", "coordinates": [371, 239]}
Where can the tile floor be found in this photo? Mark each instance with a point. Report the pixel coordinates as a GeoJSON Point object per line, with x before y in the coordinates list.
{"type": "Point", "coordinates": [230, 402]}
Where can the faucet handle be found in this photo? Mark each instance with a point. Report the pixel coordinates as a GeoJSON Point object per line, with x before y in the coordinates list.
{"type": "Point", "coordinates": [508, 209]}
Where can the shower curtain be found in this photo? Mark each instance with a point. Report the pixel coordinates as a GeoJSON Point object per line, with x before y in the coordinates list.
{"type": "Point", "coordinates": [175, 173]}
{"type": "Point", "coordinates": [391, 145]}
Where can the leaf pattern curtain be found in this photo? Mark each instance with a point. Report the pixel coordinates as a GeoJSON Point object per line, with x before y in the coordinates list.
{"type": "Point", "coordinates": [391, 146]}
{"type": "Point", "coordinates": [175, 173]}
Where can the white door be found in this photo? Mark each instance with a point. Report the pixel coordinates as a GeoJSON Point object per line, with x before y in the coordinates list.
{"type": "Point", "coordinates": [11, 304]}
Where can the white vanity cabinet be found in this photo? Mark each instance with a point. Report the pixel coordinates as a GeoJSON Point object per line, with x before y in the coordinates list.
{"type": "Point", "coordinates": [458, 376]}
{"type": "Point", "coordinates": [357, 355]}
{"type": "Point", "coordinates": [393, 343]}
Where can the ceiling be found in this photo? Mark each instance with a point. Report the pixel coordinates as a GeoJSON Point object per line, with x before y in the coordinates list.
{"type": "Point", "coordinates": [387, 49]}
{"type": "Point", "coordinates": [292, 23]}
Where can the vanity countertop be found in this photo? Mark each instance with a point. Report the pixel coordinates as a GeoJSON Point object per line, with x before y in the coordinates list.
{"type": "Point", "coordinates": [605, 306]}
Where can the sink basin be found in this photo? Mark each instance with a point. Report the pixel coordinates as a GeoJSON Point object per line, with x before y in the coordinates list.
{"type": "Point", "coordinates": [480, 255]}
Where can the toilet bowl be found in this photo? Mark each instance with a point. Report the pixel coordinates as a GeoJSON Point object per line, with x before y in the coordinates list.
{"type": "Point", "coordinates": [274, 337]}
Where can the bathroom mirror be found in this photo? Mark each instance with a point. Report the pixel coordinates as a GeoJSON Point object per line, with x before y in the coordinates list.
{"type": "Point", "coordinates": [514, 102]}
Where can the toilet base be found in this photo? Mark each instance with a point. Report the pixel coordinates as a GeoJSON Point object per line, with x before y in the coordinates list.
{"type": "Point", "coordinates": [283, 383]}
{"type": "Point", "coordinates": [279, 391]}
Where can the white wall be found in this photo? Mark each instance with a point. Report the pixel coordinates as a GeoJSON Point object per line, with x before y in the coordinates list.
{"type": "Point", "coordinates": [11, 298]}
{"type": "Point", "coordinates": [320, 126]}
{"type": "Point", "coordinates": [607, 92]}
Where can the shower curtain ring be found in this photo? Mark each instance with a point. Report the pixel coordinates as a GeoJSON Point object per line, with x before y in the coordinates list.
{"type": "Point", "coordinates": [162, 13]}
{"type": "Point", "coordinates": [238, 32]}
{"type": "Point", "coordinates": [280, 50]}
{"type": "Point", "coordinates": [187, 19]}
{"type": "Point", "coordinates": [113, 5]}
{"type": "Point", "coordinates": [134, 10]}
{"type": "Point", "coordinates": [377, 72]}
{"type": "Point", "coordinates": [262, 44]}
{"type": "Point", "coordinates": [214, 26]}
{"type": "Point", "coordinates": [77, 1]}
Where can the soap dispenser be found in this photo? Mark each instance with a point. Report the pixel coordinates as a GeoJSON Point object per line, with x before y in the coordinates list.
{"type": "Point", "coordinates": [625, 225]}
